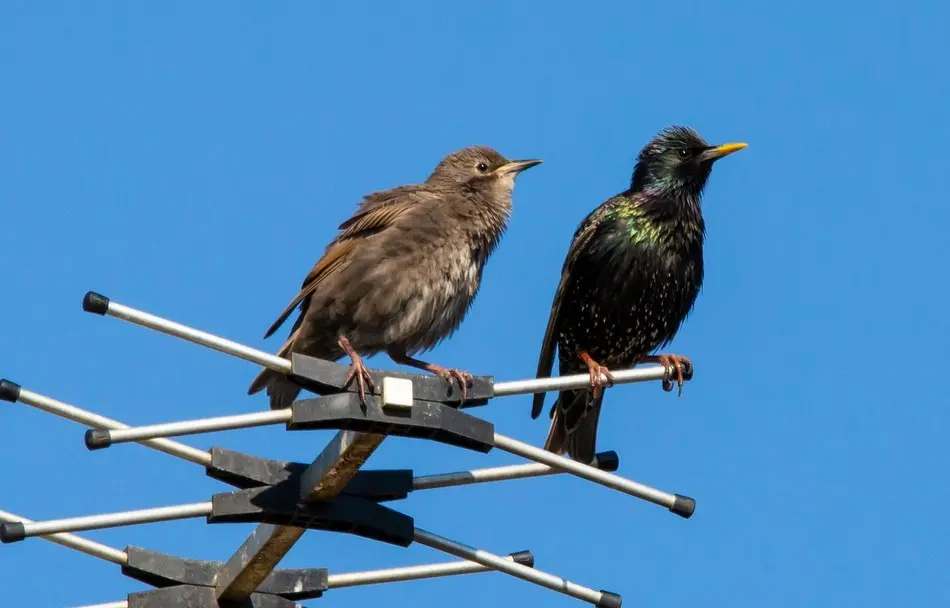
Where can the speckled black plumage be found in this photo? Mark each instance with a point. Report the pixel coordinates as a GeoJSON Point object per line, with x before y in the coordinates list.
{"type": "Point", "coordinates": [631, 277]}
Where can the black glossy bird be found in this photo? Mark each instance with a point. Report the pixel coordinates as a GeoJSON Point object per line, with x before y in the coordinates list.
{"type": "Point", "coordinates": [632, 274]}
{"type": "Point", "coordinates": [402, 272]}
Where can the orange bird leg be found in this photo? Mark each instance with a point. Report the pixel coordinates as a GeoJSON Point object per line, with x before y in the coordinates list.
{"type": "Point", "coordinates": [358, 371]}
{"type": "Point", "coordinates": [596, 371]}
{"type": "Point", "coordinates": [464, 378]}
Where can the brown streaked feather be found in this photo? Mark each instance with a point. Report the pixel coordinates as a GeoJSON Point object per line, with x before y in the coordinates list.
{"type": "Point", "coordinates": [546, 360]}
{"type": "Point", "coordinates": [332, 259]}
{"type": "Point", "coordinates": [375, 214]}
{"type": "Point", "coordinates": [381, 198]}
{"type": "Point", "coordinates": [365, 223]}
{"type": "Point", "coordinates": [378, 209]}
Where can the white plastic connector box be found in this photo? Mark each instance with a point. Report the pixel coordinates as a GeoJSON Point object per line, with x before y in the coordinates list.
{"type": "Point", "coordinates": [397, 393]}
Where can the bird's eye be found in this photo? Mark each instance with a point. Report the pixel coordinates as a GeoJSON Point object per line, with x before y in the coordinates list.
{"type": "Point", "coordinates": [684, 153]}
{"type": "Point", "coordinates": [482, 167]}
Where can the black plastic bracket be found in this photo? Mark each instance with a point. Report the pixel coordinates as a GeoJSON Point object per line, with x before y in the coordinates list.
{"type": "Point", "coordinates": [188, 596]}
{"type": "Point", "coordinates": [326, 377]}
{"type": "Point", "coordinates": [281, 506]}
{"type": "Point", "coordinates": [161, 570]}
{"type": "Point", "coordinates": [426, 419]}
{"type": "Point", "coordinates": [183, 596]}
{"type": "Point", "coordinates": [244, 472]}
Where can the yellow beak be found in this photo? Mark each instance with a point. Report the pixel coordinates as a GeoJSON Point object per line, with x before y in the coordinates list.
{"type": "Point", "coordinates": [723, 150]}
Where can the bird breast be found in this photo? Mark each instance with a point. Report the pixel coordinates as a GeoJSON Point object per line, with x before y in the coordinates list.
{"type": "Point", "coordinates": [436, 301]}
{"type": "Point", "coordinates": [408, 287]}
{"type": "Point", "coordinates": [622, 310]}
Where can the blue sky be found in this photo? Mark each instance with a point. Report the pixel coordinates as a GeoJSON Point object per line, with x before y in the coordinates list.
{"type": "Point", "coordinates": [192, 161]}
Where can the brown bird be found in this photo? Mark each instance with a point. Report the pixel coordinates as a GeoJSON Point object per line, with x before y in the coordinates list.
{"type": "Point", "coordinates": [402, 272]}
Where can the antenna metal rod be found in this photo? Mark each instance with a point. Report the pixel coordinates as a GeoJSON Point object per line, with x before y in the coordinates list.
{"type": "Point", "coordinates": [496, 562]}
{"type": "Point", "coordinates": [101, 305]}
{"type": "Point", "coordinates": [546, 459]}
{"type": "Point", "coordinates": [15, 531]}
{"type": "Point", "coordinates": [385, 575]}
{"type": "Point", "coordinates": [77, 543]}
{"type": "Point", "coordinates": [282, 416]}
{"type": "Point", "coordinates": [95, 421]}
{"type": "Point", "coordinates": [406, 573]}
{"type": "Point", "coordinates": [100, 439]}
{"type": "Point", "coordinates": [560, 383]}
{"type": "Point", "coordinates": [188, 427]}
{"type": "Point", "coordinates": [681, 505]}
{"type": "Point", "coordinates": [501, 473]}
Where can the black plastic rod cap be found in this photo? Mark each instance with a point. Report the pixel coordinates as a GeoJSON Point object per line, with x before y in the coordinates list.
{"type": "Point", "coordinates": [96, 439]}
{"type": "Point", "coordinates": [608, 461]}
{"type": "Point", "coordinates": [9, 391]}
{"type": "Point", "coordinates": [683, 506]}
{"type": "Point", "coordinates": [12, 531]}
{"type": "Point", "coordinates": [96, 303]}
{"type": "Point", "coordinates": [525, 558]}
{"type": "Point", "coordinates": [609, 600]}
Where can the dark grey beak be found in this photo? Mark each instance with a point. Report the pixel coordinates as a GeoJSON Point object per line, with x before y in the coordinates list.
{"type": "Point", "coordinates": [517, 166]}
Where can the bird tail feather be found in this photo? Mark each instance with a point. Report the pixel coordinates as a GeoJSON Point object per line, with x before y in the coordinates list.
{"type": "Point", "coordinates": [281, 390]}
{"type": "Point", "coordinates": [574, 419]}
{"type": "Point", "coordinates": [556, 435]}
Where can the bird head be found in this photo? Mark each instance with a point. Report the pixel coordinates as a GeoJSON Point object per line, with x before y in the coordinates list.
{"type": "Point", "coordinates": [677, 162]}
{"type": "Point", "coordinates": [480, 167]}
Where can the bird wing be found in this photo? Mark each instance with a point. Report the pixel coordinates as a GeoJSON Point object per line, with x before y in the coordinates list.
{"type": "Point", "coordinates": [335, 255]}
{"type": "Point", "coordinates": [379, 209]}
{"type": "Point", "coordinates": [376, 212]}
{"type": "Point", "coordinates": [582, 236]}
{"type": "Point", "coordinates": [546, 360]}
